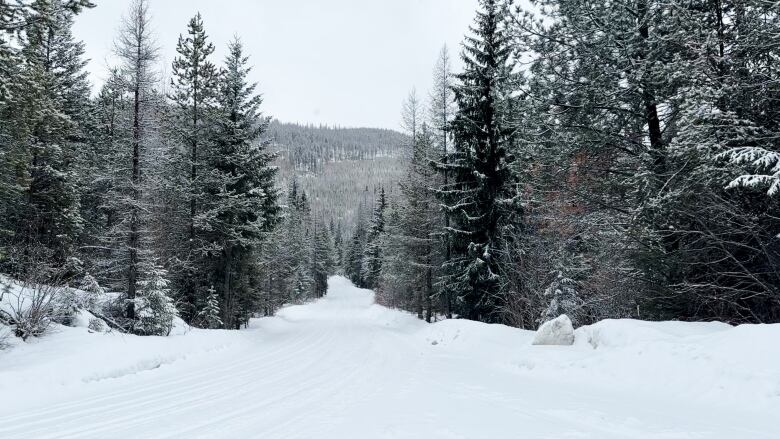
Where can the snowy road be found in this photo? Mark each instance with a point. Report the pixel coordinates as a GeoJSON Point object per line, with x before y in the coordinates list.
{"type": "Point", "coordinates": [345, 368]}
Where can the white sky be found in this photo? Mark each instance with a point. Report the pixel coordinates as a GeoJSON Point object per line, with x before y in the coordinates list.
{"type": "Point", "coordinates": [338, 62]}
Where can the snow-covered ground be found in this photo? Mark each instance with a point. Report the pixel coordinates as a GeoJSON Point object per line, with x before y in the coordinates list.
{"type": "Point", "coordinates": [344, 367]}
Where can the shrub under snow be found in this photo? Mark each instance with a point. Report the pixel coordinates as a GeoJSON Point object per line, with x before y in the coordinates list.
{"type": "Point", "coordinates": [154, 308]}
{"type": "Point", "coordinates": [558, 331]}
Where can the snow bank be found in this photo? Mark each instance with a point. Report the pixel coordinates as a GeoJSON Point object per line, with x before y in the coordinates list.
{"type": "Point", "coordinates": [627, 333]}
{"type": "Point", "coordinates": [556, 332]}
{"type": "Point", "coordinates": [382, 368]}
{"type": "Point", "coordinates": [69, 357]}
{"type": "Point", "coordinates": [712, 362]}
{"type": "Point", "coordinates": [706, 362]}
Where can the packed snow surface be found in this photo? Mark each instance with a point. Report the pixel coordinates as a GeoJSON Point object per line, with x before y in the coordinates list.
{"type": "Point", "coordinates": [343, 367]}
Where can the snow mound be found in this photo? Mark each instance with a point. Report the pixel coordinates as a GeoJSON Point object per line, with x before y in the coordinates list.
{"type": "Point", "coordinates": [626, 332]}
{"type": "Point", "coordinates": [469, 336]}
{"type": "Point", "coordinates": [557, 332]}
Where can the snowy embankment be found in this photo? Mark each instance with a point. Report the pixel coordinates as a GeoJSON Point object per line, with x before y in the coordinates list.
{"type": "Point", "coordinates": [346, 367]}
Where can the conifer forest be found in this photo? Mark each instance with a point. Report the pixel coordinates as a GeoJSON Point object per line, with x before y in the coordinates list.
{"type": "Point", "coordinates": [176, 260]}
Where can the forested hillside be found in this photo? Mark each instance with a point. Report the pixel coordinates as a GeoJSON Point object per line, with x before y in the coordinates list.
{"type": "Point", "coordinates": [341, 169]}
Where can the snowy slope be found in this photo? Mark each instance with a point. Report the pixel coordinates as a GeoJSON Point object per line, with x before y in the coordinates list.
{"type": "Point", "coordinates": [344, 367]}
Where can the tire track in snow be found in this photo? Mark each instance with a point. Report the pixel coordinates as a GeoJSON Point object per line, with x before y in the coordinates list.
{"type": "Point", "coordinates": [309, 361]}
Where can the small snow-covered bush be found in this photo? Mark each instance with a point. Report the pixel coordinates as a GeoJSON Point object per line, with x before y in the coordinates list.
{"type": "Point", "coordinates": [70, 301]}
{"type": "Point", "coordinates": [563, 298]}
{"type": "Point", "coordinates": [208, 317]}
{"type": "Point", "coordinates": [97, 325]}
{"type": "Point", "coordinates": [155, 311]}
{"type": "Point", "coordinates": [28, 308]}
{"type": "Point", "coordinates": [556, 332]}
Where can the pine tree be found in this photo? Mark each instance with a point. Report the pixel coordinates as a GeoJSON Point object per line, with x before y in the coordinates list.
{"type": "Point", "coordinates": [154, 308]}
{"type": "Point", "coordinates": [338, 246]}
{"type": "Point", "coordinates": [44, 128]}
{"type": "Point", "coordinates": [563, 298]}
{"type": "Point", "coordinates": [292, 264]}
{"type": "Point", "coordinates": [193, 96]}
{"type": "Point", "coordinates": [51, 101]}
{"type": "Point", "coordinates": [102, 164]}
{"type": "Point", "coordinates": [322, 259]}
{"type": "Point", "coordinates": [371, 263]}
{"type": "Point", "coordinates": [353, 258]}
{"type": "Point", "coordinates": [239, 206]}
{"type": "Point", "coordinates": [302, 283]}
{"type": "Point", "coordinates": [480, 197]}
{"type": "Point", "coordinates": [12, 155]}
{"type": "Point", "coordinates": [209, 315]}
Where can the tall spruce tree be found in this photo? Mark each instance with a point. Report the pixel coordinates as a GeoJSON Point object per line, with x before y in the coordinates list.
{"type": "Point", "coordinates": [239, 203]}
{"type": "Point", "coordinates": [371, 263]}
{"type": "Point", "coordinates": [322, 259]}
{"type": "Point", "coordinates": [103, 164]}
{"type": "Point", "coordinates": [353, 256]}
{"type": "Point", "coordinates": [293, 263]}
{"type": "Point", "coordinates": [480, 197]}
{"type": "Point", "coordinates": [338, 246]}
{"type": "Point", "coordinates": [12, 154]}
{"type": "Point", "coordinates": [193, 95]}
{"type": "Point", "coordinates": [51, 104]}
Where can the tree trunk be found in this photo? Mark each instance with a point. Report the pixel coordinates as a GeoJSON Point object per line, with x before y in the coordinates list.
{"type": "Point", "coordinates": [447, 293]}
{"type": "Point", "coordinates": [226, 288]}
{"type": "Point", "coordinates": [134, 238]}
{"type": "Point", "coordinates": [657, 149]}
{"type": "Point", "coordinates": [419, 302]}
{"type": "Point", "coordinates": [428, 294]}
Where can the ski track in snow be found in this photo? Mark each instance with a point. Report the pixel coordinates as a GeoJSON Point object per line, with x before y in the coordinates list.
{"type": "Point", "coordinates": [343, 367]}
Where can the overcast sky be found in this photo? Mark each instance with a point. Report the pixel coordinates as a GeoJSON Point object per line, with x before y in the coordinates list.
{"type": "Point", "coordinates": [338, 62]}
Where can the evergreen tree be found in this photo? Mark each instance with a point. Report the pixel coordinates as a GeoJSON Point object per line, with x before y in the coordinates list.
{"type": "Point", "coordinates": [103, 184]}
{"type": "Point", "coordinates": [480, 195]}
{"type": "Point", "coordinates": [194, 89]}
{"type": "Point", "coordinates": [338, 246]}
{"type": "Point", "coordinates": [371, 262]}
{"type": "Point", "coordinates": [154, 308]}
{"type": "Point", "coordinates": [12, 155]}
{"type": "Point", "coordinates": [322, 259]}
{"type": "Point", "coordinates": [50, 102]}
{"type": "Point", "coordinates": [563, 298]}
{"type": "Point", "coordinates": [239, 206]}
{"type": "Point", "coordinates": [291, 263]}
{"type": "Point", "coordinates": [353, 258]}
{"type": "Point", "coordinates": [302, 283]}
{"type": "Point", "coordinates": [209, 315]}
